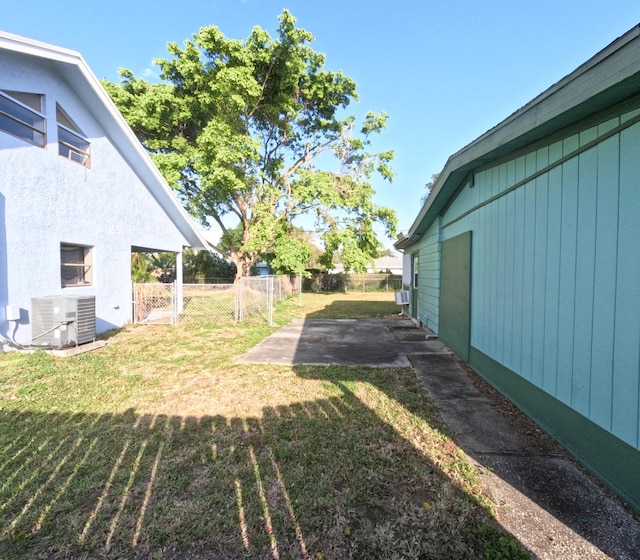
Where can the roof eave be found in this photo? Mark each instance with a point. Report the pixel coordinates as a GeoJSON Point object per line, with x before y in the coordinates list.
{"type": "Point", "coordinates": [610, 76]}
{"type": "Point", "coordinates": [73, 68]}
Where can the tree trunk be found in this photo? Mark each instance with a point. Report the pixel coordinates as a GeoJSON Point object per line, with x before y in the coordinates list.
{"type": "Point", "coordinates": [244, 263]}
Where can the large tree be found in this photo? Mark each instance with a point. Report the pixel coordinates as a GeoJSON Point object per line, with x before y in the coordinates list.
{"type": "Point", "coordinates": [253, 133]}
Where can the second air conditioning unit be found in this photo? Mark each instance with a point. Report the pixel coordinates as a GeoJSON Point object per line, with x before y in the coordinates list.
{"type": "Point", "coordinates": [60, 321]}
{"type": "Point", "coordinates": [402, 297]}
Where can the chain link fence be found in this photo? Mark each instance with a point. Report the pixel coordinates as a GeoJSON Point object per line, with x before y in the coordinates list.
{"type": "Point", "coordinates": [344, 282]}
{"type": "Point", "coordinates": [209, 302]}
{"type": "Point", "coordinates": [250, 298]}
{"type": "Point", "coordinates": [155, 303]}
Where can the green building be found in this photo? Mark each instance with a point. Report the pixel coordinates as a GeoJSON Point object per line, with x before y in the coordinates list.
{"type": "Point", "coordinates": [525, 260]}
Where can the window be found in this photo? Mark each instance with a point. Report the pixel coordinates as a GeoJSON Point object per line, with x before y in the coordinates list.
{"type": "Point", "coordinates": [73, 147]}
{"type": "Point", "coordinates": [75, 265]}
{"type": "Point", "coordinates": [414, 267]}
{"type": "Point", "coordinates": [72, 143]}
{"type": "Point", "coordinates": [21, 116]}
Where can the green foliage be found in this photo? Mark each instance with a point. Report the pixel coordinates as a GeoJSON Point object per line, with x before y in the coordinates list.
{"type": "Point", "coordinates": [164, 266]}
{"type": "Point", "coordinates": [254, 130]}
{"type": "Point", "coordinates": [141, 268]}
{"type": "Point", "coordinates": [290, 256]}
{"type": "Point", "coordinates": [429, 187]}
{"type": "Point", "coordinates": [205, 265]}
{"type": "Point", "coordinates": [293, 252]}
{"type": "Point", "coordinates": [196, 266]}
{"type": "Point", "coordinates": [498, 545]}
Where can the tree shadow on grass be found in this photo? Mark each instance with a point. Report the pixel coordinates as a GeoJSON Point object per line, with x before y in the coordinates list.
{"type": "Point", "coordinates": [323, 478]}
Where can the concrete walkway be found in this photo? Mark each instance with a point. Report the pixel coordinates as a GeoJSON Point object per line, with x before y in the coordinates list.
{"type": "Point", "coordinates": [364, 342]}
{"type": "Point", "coordinates": [549, 504]}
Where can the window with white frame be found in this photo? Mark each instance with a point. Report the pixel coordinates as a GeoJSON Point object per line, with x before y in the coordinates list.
{"type": "Point", "coordinates": [75, 265]}
{"type": "Point", "coordinates": [21, 116]}
{"type": "Point", "coordinates": [414, 267]}
{"type": "Point", "coordinates": [72, 142]}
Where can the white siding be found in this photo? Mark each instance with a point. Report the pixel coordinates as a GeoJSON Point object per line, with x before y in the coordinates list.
{"type": "Point", "coordinates": [48, 200]}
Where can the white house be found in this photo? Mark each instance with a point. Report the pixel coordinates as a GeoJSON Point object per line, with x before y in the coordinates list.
{"type": "Point", "coordinates": [78, 193]}
{"type": "Point", "coordinates": [384, 264]}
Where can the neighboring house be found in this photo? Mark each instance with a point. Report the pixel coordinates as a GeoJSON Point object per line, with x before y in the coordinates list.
{"type": "Point", "coordinates": [261, 269]}
{"type": "Point", "coordinates": [78, 193]}
{"type": "Point", "coordinates": [525, 259]}
{"type": "Point", "coordinates": [391, 264]}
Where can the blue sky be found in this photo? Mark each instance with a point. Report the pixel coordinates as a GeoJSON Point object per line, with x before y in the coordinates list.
{"type": "Point", "coordinates": [445, 70]}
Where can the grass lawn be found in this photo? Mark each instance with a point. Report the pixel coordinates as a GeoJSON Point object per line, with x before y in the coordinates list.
{"type": "Point", "coordinates": [159, 446]}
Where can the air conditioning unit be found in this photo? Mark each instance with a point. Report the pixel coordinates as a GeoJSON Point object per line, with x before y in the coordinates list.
{"type": "Point", "coordinates": [63, 320]}
{"type": "Point", "coordinates": [402, 297]}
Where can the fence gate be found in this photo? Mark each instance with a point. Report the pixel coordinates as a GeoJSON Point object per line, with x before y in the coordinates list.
{"type": "Point", "coordinates": [155, 303]}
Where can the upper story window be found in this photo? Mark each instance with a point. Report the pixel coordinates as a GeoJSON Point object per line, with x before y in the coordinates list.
{"type": "Point", "coordinates": [72, 142]}
{"type": "Point", "coordinates": [21, 116]}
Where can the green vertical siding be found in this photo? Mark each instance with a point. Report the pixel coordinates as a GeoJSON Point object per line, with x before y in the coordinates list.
{"type": "Point", "coordinates": [625, 415]}
{"type": "Point", "coordinates": [528, 303]}
{"type": "Point", "coordinates": [604, 282]}
{"type": "Point", "coordinates": [616, 463]}
{"type": "Point", "coordinates": [556, 268]}
{"type": "Point", "coordinates": [585, 270]}
{"type": "Point", "coordinates": [455, 295]}
{"type": "Point", "coordinates": [552, 279]}
{"type": "Point", "coordinates": [567, 285]}
{"type": "Point", "coordinates": [541, 264]}
{"type": "Point", "coordinates": [518, 273]}
{"type": "Point", "coordinates": [428, 250]}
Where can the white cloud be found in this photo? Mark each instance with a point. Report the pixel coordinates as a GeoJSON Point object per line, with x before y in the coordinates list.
{"type": "Point", "coordinates": [150, 73]}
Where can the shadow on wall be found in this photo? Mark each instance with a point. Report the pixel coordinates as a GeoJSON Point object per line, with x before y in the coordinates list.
{"type": "Point", "coordinates": [4, 290]}
{"type": "Point", "coordinates": [7, 328]}
{"type": "Point", "coordinates": [105, 327]}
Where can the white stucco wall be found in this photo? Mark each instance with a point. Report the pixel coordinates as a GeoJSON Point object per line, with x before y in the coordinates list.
{"type": "Point", "coordinates": [406, 269]}
{"type": "Point", "coordinates": [46, 200]}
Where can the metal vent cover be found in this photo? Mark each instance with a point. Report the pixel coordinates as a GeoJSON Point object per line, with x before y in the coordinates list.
{"type": "Point", "coordinates": [402, 297]}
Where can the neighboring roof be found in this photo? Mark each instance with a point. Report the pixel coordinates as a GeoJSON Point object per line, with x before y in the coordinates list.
{"type": "Point", "coordinates": [387, 262]}
{"type": "Point", "coordinates": [382, 263]}
{"type": "Point", "coordinates": [610, 77]}
{"type": "Point", "coordinates": [72, 68]}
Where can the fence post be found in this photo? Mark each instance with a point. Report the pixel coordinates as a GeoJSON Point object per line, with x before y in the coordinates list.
{"type": "Point", "coordinates": [174, 297]}
{"type": "Point", "coordinates": [270, 290]}
{"type": "Point", "coordinates": [241, 299]}
{"type": "Point", "coordinates": [236, 302]}
{"type": "Point", "coordinates": [134, 307]}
